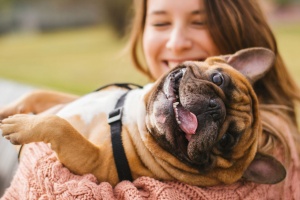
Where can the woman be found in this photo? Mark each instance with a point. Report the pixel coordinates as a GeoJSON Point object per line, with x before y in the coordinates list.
{"type": "Point", "coordinates": [171, 31]}
{"type": "Point", "coordinates": [214, 27]}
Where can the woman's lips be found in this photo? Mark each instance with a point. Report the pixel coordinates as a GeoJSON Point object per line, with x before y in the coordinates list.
{"type": "Point", "coordinates": [173, 63]}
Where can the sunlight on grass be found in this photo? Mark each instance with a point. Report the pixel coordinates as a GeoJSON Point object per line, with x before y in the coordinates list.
{"type": "Point", "coordinates": [77, 61]}
{"type": "Point", "coordinates": [288, 38]}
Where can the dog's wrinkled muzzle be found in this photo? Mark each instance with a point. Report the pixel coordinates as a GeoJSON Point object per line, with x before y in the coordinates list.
{"type": "Point", "coordinates": [189, 112]}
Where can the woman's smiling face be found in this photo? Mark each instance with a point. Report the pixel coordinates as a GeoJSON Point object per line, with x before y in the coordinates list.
{"type": "Point", "coordinates": [175, 31]}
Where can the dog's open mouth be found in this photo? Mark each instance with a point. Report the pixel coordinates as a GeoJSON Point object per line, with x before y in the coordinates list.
{"type": "Point", "coordinates": [186, 120]}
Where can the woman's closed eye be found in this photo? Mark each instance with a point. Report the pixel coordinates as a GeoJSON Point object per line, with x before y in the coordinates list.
{"type": "Point", "coordinates": [161, 24]}
{"type": "Point", "coordinates": [198, 24]}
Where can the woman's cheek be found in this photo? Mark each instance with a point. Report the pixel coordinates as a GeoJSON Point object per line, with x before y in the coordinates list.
{"type": "Point", "coordinates": [151, 47]}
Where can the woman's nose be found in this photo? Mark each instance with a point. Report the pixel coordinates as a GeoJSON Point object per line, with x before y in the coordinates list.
{"type": "Point", "coordinates": [178, 41]}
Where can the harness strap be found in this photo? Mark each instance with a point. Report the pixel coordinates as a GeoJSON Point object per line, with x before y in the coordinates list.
{"type": "Point", "coordinates": [128, 86]}
{"type": "Point", "coordinates": [115, 122]}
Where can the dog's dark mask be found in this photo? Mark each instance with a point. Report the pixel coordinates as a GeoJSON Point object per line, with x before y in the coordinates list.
{"type": "Point", "coordinates": [206, 113]}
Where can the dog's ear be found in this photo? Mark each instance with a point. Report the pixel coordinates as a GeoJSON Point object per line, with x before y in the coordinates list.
{"type": "Point", "coordinates": [252, 62]}
{"type": "Point", "coordinates": [265, 169]}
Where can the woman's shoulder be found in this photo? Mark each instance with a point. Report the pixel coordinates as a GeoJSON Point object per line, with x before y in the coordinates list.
{"type": "Point", "coordinates": [281, 138]}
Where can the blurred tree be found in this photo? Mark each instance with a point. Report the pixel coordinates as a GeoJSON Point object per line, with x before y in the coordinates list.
{"type": "Point", "coordinates": [7, 4]}
{"type": "Point", "coordinates": [45, 13]}
{"type": "Point", "coordinates": [118, 14]}
{"type": "Point", "coordinates": [285, 2]}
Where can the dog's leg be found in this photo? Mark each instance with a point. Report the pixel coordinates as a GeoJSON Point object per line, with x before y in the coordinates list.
{"type": "Point", "coordinates": [36, 102]}
{"type": "Point", "coordinates": [70, 146]}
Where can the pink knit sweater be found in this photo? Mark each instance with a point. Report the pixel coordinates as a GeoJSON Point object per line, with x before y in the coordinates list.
{"type": "Point", "coordinates": [41, 176]}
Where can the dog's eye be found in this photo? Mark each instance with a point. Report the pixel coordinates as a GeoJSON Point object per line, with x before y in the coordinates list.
{"type": "Point", "coordinates": [217, 79]}
{"type": "Point", "coordinates": [227, 141]}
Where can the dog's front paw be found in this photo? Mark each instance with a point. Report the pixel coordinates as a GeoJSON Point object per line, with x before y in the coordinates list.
{"type": "Point", "coordinates": [21, 128]}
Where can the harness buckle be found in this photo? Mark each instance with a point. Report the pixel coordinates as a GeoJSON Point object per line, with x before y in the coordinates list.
{"type": "Point", "coordinates": [115, 115]}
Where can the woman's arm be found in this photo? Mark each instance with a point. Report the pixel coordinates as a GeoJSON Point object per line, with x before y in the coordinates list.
{"type": "Point", "coordinates": [36, 102]}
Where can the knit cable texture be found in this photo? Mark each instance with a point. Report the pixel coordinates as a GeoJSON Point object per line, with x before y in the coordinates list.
{"type": "Point", "coordinates": [41, 176]}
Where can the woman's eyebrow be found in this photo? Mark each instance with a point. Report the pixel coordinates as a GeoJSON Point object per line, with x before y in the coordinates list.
{"type": "Point", "coordinates": [162, 12]}
{"type": "Point", "coordinates": [157, 12]}
{"type": "Point", "coordinates": [198, 12]}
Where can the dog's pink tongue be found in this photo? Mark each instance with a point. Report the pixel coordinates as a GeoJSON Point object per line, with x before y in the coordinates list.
{"type": "Point", "coordinates": [188, 121]}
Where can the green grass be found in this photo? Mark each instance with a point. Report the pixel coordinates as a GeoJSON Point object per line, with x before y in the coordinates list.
{"type": "Point", "coordinates": [76, 61]}
{"type": "Point", "coordinates": [288, 38]}
{"type": "Point", "coordinates": [81, 60]}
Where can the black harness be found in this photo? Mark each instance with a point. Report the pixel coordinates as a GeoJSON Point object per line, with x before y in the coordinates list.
{"type": "Point", "coordinates": [115, 122]}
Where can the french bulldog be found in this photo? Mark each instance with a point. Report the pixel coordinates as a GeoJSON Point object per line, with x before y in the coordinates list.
{"type": "Point", "coordinates": [198, 124]}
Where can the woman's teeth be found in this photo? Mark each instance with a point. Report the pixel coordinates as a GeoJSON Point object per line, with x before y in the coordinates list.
{"type": "Point", "coordinates": [173, 64]}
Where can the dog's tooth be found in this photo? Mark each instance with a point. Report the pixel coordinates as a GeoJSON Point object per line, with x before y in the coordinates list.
{"type": "Point", "coordinates": [175, 104]}
{"type": "Point", "coordinates": [176, 114]}
{"type": "Point", "coordinates": [177, 120]}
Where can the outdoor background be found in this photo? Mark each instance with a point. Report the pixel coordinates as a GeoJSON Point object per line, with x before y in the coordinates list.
{"type": "Point", "coordinates": [77, 45]}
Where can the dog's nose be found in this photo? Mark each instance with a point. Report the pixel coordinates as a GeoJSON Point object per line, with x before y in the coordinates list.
{"type": "Point", "coordinates": [212, 103]}
{"type": "Point", "coordinates": [216, 109]}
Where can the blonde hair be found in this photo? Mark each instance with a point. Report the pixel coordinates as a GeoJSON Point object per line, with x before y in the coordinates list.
{"type": "Point", "coordinates": [245, 27]}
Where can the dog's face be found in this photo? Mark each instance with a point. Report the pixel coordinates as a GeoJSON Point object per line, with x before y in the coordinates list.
{"type": "Point", "coordinates": [206, 113]}
{"type": "Point", "coordinates": [200, 112]}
